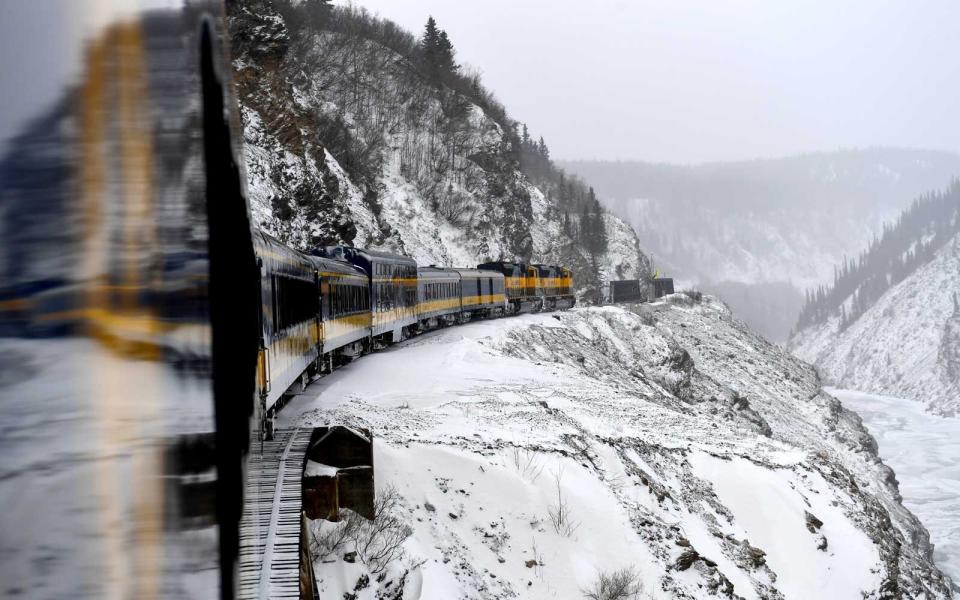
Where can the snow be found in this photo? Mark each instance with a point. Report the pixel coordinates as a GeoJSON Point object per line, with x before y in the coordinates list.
{"type": "Point", "coordinates": [315, 469]}
{"type": "Point", "coordinates": [760, 497]}
{"type": "Point", "coordinates": [923, 450]}
{"type": "Point", "coordinates": [478, 426]}
{"type": "Point", "coordinates": [893, 348]}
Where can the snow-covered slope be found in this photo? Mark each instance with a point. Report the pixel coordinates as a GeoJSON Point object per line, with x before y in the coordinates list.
{"type": "Point", "coordinates": [906, 345]}
{"type": "Point", "coordinates": [347, 141]}
{"type": "Point", "coordinates": [680, 445]}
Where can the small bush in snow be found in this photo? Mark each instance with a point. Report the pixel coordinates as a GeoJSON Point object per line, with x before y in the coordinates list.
{"type": "Point", "coordinates": [560, 514]}
{"type": "Point", "coordinates": [527, 463]}
{"type": "Point", "coordinates": [622, 584]}
{"type": "Point", "coordinates": [377, 542]}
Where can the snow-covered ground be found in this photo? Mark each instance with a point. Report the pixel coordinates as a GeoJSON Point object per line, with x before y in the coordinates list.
{"type": "Point", "coordinates": [681, 446]}
{"type": "Point", "coordinates": [924, 451]}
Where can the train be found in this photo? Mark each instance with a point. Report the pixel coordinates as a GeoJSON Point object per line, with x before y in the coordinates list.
{"type": "Point", "coordinates": [325, 308]}
{"type": "Point", "coordinates": [170, 329]}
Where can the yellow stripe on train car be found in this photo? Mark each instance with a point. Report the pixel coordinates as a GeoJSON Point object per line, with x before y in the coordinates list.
{"type": "Point", "coordinates": [484, 299]}
{"type": "Point", "coordinates": [339, 326]}
{"type": "Point", "coordinates": [437, 305]}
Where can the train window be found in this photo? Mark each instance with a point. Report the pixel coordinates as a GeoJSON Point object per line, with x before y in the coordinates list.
{"type": "Point", "coordinates": [295, 301]}
{"type": "Point", "coordinates": [334, 303]}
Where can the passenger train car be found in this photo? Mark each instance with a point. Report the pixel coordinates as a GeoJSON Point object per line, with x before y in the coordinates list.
{"type": "Point", "coordinates": [483, 293]}
{"type": "Point", "coordinates": [393, 289]}
{"type": "Point", "coordinates": [438, 297]}
{"type": "Point", "coordinates": [125, 242]}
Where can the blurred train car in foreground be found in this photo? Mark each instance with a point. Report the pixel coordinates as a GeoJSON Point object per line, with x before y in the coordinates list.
{"type": "Point", "coordinates": [126, 295]}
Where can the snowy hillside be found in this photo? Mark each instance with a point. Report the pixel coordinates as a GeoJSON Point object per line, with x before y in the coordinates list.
{"type": "Point", "coordinates": [906, 345]}
{"type": "Point", "coordinates": [531, 455]}
{"type": "Point", "coordinates": [350, 140]}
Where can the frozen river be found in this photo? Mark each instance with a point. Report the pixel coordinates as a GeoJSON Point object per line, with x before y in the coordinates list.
{"type": "Point", "coordinates": [924, 450]}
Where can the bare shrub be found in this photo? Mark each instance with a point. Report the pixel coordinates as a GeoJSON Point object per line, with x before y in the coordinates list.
{"type": "Point", "coordinates": [560, 515]}
{"type": "Point", "coordinates": [536, 562]}
{"type": "Point", "coordinates": [328, 538]}
{"type": "Point", "coordinates": [622, 584]}
{"type": "Point", "coordinates": [376, 541]}
{"type": "Point", "coordinates": [527, 463]}
{"type": "Point", "coordinates": [380, 540]}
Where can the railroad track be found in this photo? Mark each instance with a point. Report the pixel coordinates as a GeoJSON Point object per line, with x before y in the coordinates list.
{"type": "Point", "coordinates": [269, 565]}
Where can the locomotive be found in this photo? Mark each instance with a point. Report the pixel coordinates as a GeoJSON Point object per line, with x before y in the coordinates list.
{"type": "Point", "coordinates": [326, 308]}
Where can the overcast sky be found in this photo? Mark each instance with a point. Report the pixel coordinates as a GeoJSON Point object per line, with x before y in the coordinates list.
{"type": "Point", "coordinates": [701, 80]}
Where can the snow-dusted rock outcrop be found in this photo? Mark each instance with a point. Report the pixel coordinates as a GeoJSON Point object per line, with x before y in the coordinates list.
{"type": "Point", "coordinates": [906, 345]}
{"type": "Point", "coordinates": [677, 443]}
{"type": "Point", "coordinates": [348, 141]}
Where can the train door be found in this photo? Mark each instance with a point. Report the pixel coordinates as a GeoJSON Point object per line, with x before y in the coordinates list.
{"type": "Point", "coordinates": [319, 315]}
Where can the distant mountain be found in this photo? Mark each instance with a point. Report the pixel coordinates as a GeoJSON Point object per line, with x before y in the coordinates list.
{"type": "Point", "coordinates": [357, 132]}
{"type": "Point", "coordinates": [890, 324]}
{"type": "Point", "coordinates": [786, 221]}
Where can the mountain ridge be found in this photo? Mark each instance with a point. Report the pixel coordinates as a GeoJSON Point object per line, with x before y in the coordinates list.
{"type": "Point", "coordinates": [786, 221]}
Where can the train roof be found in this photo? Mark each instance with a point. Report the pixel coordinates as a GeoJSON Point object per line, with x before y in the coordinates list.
{"type": "Point", "coordinates": [433, 272]}
{"type": "Point", "coordinates": [351, 254]}
{"type": "Point", "coordinates": [330, 265]}
{"type": "Point", "coordinates": [544, 266]}
{"type": "Point", "coordinates": [269, 246]}
{"type": "Point", "coordinates": [502, 263]}
{"type": "Point", "coordinates": [475, 273]}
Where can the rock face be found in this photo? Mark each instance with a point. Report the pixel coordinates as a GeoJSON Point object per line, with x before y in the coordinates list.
{"type": "Point", "coordinates": [347, 141]}
{"type": "Point", "coordinates": [906, 345]}
{"type": "Point", "coordinates": [672, 440]}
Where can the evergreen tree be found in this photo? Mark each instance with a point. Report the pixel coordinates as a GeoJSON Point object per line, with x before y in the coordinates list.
{"type": "Point", "coordinates": [542, 149]}
{"type": "Point", "coordinates": [599, 228]}
{"type": "Point", "coordinates": [445, 55]}
{"type": "Point", "coordinates": [317, 11]}
{"type": "Point", "coordinates": [429, 47]}
{"type": "Point", "coordinates": [437, 52]}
